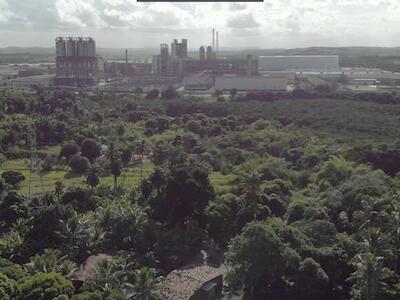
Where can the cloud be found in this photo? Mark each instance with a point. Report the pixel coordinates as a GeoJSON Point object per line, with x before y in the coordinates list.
{"type": "Point", "coordinates": [274, 23]}
{"type": "Point", "coordinates": [245, 20]}
{"type": "Point", "coordinates": [237, 6]}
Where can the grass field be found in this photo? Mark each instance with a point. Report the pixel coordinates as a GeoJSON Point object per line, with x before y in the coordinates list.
{"type": "Point", "coordinates": [39, 182]}
{"type": "Point", "coordinates": [221, 183]}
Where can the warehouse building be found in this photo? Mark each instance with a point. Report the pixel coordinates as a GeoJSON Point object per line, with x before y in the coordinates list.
{"type": "Point", "coordinates": [251, 83]}
{"type": "Point", "coordinates": [298, 63]}
{"type": "Point", "coordinates": [198, 82]}
{"type": "Point", "coordinates": [45, 80]}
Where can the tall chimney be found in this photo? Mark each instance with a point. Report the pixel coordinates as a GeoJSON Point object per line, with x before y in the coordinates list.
{"type": "Point", "coordinates": [126, 62]}
{"type": "Point", "coordinates": [217, 43]}
{"type": "Point", "coordinates": [213, 43]}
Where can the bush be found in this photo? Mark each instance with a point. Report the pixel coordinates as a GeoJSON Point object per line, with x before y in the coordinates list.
{"type": "Point", "coordinates": [79, 164]}
{"type": "Point", "coordinates": [7, 287]}
{"type": "Point", "coordinates": [88, 296]}
{"type": "Point", "coordinates": [12, 207]}
{"type": "Point", "coordinates": [44, 286]}
{"type": "Point", "coordinates": [152, 95]}
{"type": "Point", "coordinates": [68, 150]}
{"type": "Point", "coordinates": [11, 270]}
{"type": "Point", "coordinates": [13, 178]}
{"type": "Point", "coordinates": [90, 149]}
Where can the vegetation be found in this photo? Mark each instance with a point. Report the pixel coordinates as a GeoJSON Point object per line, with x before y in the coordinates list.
{"type": "Point", "coordinates": [298, 193]}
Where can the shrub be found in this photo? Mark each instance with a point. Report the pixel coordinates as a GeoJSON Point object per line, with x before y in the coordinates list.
{"type": "Point", "coordinates": [7, 287]}
{"type": "Point", "coordinates": [79, 164]}
{"type": "Point", "coordinates": [44, 286]}
{"type": "Point", "coordinates": [13, 178]}
{"type": "Point", "coordinates": [68, 150]}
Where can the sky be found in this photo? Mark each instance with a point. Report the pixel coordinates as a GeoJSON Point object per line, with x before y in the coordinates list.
{"type": "Point", "coordinates": [272, 24]}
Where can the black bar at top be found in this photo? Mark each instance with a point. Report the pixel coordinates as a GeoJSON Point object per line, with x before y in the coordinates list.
{"type": "Point", "coordinates": [194, 1]}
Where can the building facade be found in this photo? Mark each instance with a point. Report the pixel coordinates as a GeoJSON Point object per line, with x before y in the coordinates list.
{"type": "Point", "coordinates": [298, 63]}
{"type": "Point", "coordinates": [76, 62]}
{"type": "Point", "coordinates": [251, 83]}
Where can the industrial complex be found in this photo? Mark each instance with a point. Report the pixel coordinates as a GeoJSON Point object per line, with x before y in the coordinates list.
{"type": "Point", "coordinates": [205, 70]}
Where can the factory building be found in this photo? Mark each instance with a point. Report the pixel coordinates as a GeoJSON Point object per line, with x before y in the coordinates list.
{"type": "Point", "coordinates": [218, 66]}
{"type": "Point", "coordinates": [251, 83]}
{"type": "Point", "coordinates": [76, 62]}
{"type": "Point", "coordinates": [179, 49]}
{"type": "Point", "coordinates": [45, 80]}
{"type": "Point", "coordinates": [252, 65]}
{"type": "Point", "coordinates": [298, 63]}
{"type": "Point", "coordinates": [202, 53]}
{"type": "Point", "coordinates": [170, 65]}
{"type": "Point", "coordinates": [117, 68]}
{"type": "Point", "coordinates": [198, 82]}
{"type": "Point", "coordinates": [209, 53]}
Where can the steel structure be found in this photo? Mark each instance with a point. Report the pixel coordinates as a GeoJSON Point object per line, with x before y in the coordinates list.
{"type": "Point", "coordinates": [76, 61]}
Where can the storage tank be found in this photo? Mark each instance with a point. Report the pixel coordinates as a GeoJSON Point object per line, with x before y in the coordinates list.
{"type": "Point", "coordinates": [70, 47]}
{"type": "Point", "coordinates": [91, 47]}
{"type": "Point", "coordinates": [80, 45]}
{"type": "Point", "coordinates": [60, 46]}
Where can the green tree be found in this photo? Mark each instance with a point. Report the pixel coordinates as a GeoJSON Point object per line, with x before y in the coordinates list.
{"type": "Point", "coordinates": [143, 285]}
{"type": "Point", "coordinates": [79, 164]}
{"type": "Point", "coordinates": [249, 185]}
{"type": "Point", "coordinates": [90, 149]}
{"type": "Point", "coordinates": [152, 95]}
{"type": "Point", "coordinates": [44, 286]}
{"type": "Point", "coordinates": [92, 177]}
{"type": "Point", "coordinates": [68, 150]}
{"type": "Point", "coordinates": [51, 261]}
{"type": "Point", "coordinates": [184, 195]}
{"type": "Point", "coordinates": [59, 188]}
{"type": "Point", "coordinates": [115, 165]}
{"type": "Point", "coordinates": [13, 178]}
{"type": "Point", "coordinates": [367, 279]}
{"type": "Point", "coordinates": [7, 287]}
{"type": "Point", "coordinates": [261, 257]}
{"type": "Point", "coordinates": [12, 207]}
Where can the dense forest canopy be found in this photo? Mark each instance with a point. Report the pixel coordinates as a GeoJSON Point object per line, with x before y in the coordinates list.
{"type": "Point", "coordinates": [298, 195]}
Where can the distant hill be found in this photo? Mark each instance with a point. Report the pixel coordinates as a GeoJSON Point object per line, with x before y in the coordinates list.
{"type": "Point", "coordinates": [46, 54]}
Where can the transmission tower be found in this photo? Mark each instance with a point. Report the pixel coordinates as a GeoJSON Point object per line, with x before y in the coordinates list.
{"type": "Point", "coordinates": [34, 160]}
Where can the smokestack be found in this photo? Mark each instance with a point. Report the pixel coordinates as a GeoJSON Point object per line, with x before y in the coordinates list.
{"type": "Point", "coordinates": [213, 43]}
{"type": "Point", "coordinates": [217, 43]}
{"type": "Point", "coordinates": [126, 62]}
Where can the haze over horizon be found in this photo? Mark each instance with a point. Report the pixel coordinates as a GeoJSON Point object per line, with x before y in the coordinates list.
{"type": "Point", "coordinates": [272, 24]}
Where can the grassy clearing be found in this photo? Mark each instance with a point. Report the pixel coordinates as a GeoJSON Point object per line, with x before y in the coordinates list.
{"type": "Point", "coordinates": [44, 181]}
{"type": "Point", "coordinates": [222, 183]}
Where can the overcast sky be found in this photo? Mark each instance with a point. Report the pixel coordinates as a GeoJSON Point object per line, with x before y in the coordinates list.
{"type": "Point", "coordinates": [272, 24]}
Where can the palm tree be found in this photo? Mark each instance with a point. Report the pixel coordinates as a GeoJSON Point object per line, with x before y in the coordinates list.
{"type": "Point", "coordinates": [367, 278]}
{"type": "Point", "coordinates": [142, 145]}
{"type": "Point", "coordinates": [51, 261]}
{"type": "Point", "coordinates": [249, 185]}
{"type": "Point", "coordinates": [369, 271]}
{"type": "Point", "coordinates": [115, 163]}
{"type": "Point", "coordinates": [143, 286]}
{"type": "Point", "coordinates": [92, 177]}
{"type": "Point", "coordinates": [395, 221]}
{"type": "Point", "coordinates": [373, 241]}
